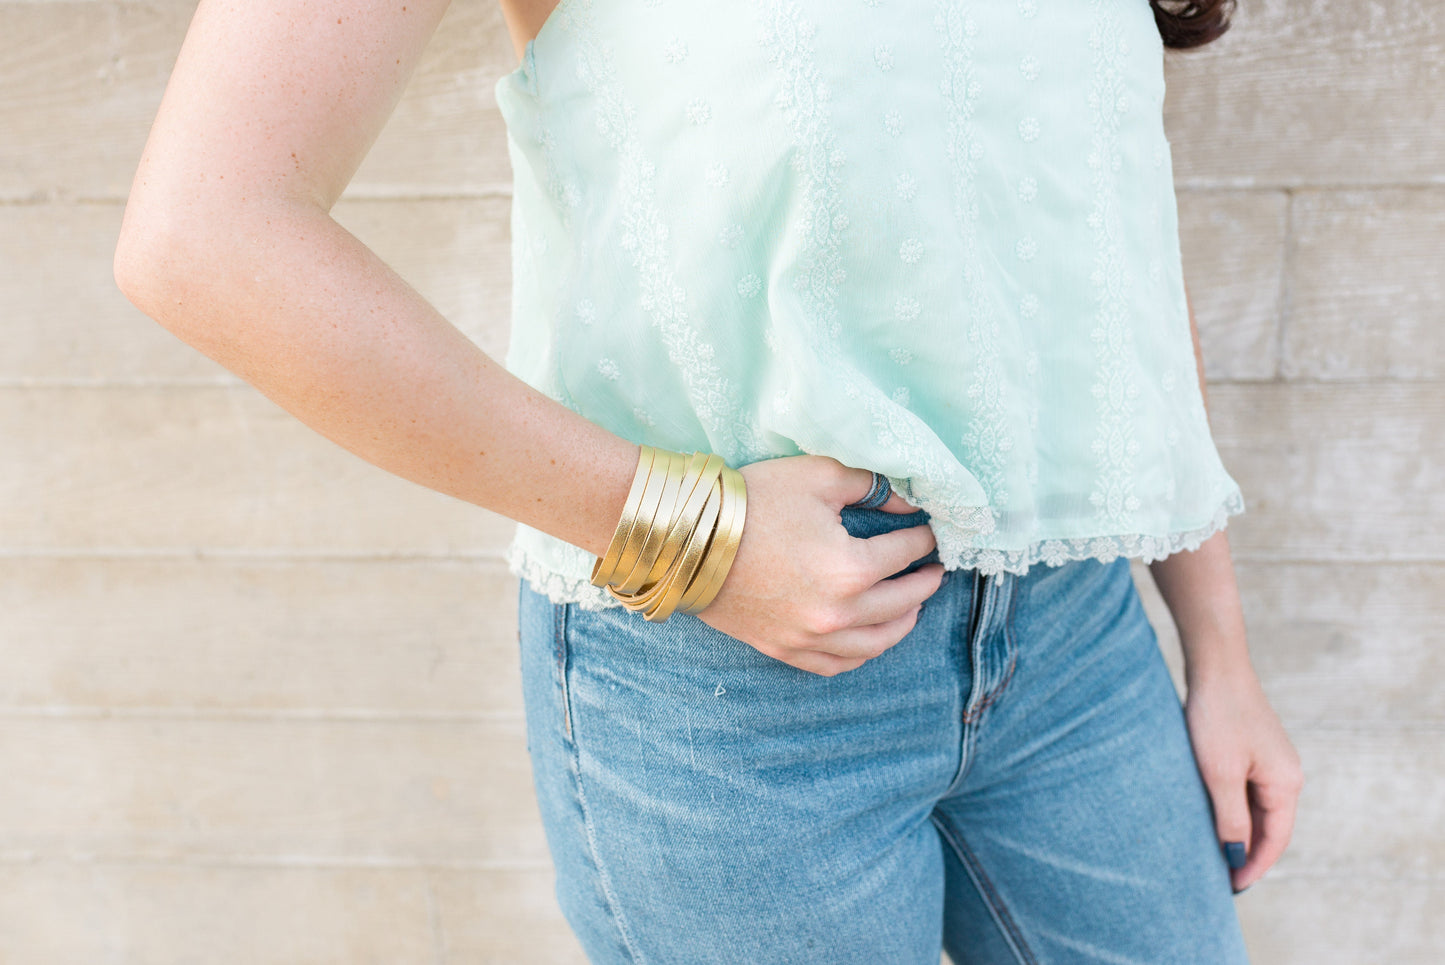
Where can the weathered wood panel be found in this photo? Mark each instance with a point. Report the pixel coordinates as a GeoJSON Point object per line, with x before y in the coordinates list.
{"type": "Point", "coordinates": [1346, 472]}
{"type": "Point", "coordinates": [1349, 918]}
{"type": "Point", "coordinates": [207, 468]}
{"type": "Point", "coordinates": [1335, 643]}
{"type": "Point", "coordinates": [62, 913]}
{"type": "Point", "coordinates": [256, 637]}
{"type": "Point", "coordinates": [299, 792]}
{"type": "Point", "coordinates": [1367, 285]}
{"type": "Point", "coordinates": [82, 82]}
{"type": "Point", "coordinates": [1233, 247]}
{"type": "Point", "coordinates": [1304, 92]}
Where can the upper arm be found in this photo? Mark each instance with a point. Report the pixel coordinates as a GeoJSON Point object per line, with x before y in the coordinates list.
{"type": "Point", "coordinates": [278, 100]}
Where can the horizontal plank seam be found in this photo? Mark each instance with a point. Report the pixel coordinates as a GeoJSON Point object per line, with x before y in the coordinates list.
{"type": "Point", "coordinates": [265, 714]}
{"type": "Point", "coordinates": [267, 861]}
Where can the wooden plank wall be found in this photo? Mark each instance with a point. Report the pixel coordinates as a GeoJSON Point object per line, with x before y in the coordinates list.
{"type": "Point", "coordinates": [260, 699]}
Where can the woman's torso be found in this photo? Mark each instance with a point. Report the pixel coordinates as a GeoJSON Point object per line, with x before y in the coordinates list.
{"type": "Point", "coordinates": [938, 240]}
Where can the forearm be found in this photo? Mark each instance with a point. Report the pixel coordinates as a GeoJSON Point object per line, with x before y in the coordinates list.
{"type": "Point", "coordinates": [292, 303]}
{"type": "Point", "coordinates": [1201, 591]}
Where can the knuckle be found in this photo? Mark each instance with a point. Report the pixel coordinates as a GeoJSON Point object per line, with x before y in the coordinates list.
{"type": "Point", "coordinates": [823, 621]}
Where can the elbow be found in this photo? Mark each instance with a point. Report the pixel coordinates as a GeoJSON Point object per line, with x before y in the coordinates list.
{"type": "Point", "coordinates": [141, 266]}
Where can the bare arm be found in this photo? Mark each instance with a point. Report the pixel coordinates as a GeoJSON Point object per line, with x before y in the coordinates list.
{"type": "Point", "coordinates": [1200, 590]}
{"type": "Point", "coordinates": [228, 243]}
{"type": "Point", "coordinates": [1248, 764]}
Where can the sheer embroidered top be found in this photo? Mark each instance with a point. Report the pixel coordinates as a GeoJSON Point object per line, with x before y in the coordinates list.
{"type": "Point", "coordinates": [936, 240]}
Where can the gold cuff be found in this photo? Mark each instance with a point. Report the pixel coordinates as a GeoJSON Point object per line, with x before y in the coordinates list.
{"type": "Point", "coordinates": [678, 534]}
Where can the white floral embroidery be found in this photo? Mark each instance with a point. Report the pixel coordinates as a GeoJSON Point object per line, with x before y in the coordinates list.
{"type": "Point", "coordinates": [643, 419]}
{"type": "Point", "coordinates": [906, 309]}
{"type": "Point", "coordinates": [675, 52]}
{"type": "Point", "coordinates": [699, 111]}
{"type": "Point", "coordinates": [717, 175]}
{"type": "Point", "coordinates": [608, 369]}
{"type": "Point", "coordinates": [1026, 248]}
{"type": "Point", "coordinates": [893, 123]}
{"type": "Point", "coordinates": [901, 355]}
{"type": "Point", "coordinates": [900, 396]}
{"type": "Point", "coordinates": [730, 236]}
{"type": "Point", "coordinates": [936, 479]}
{"type": "Point", "coordinates": [1114, 446]}
{"type": "Point", "coordinates": [906, 185]}
{"type": "Point", "coordinates": [910, 251]}
{"type": "Point", "coordinates": [1029, 129]}
{"type": "Point", "coordinates": [749, 286]}
{"type": "Point", "coordinates": [883, 57]}
{"type": "Point", "coordinates": [1029, 67]}
{"type": "Point", "coordinates": [586, 312]}
{"type": "Point", "coordinates": [989, 438]}
{"type": "Point", "coordinates": [1028, 190]}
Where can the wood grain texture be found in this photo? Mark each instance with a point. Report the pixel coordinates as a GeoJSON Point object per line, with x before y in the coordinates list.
{"type": "Point", "coordinates": [82, 82]}
{"type": "Point", "coordinates": [1233, 244]}
{"type": "Point", "coordinates": [1367, 286]}
{"type": "Point", "coordinates": [1346, 472]}
{"type": "Point", "coordinates": [293, 792]}
{"type": "Point", "coordinates": [83, 913]}
{"type": "Point", "coordinates": [216, 468]}
{"type": "Point", "coordinates": [246, 638]}
{"type": "Point", "coordinates": [1309, 92]}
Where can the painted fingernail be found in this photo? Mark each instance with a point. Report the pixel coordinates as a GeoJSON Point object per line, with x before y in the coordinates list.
{"type": "Point", "coordinates": [1234, 853]}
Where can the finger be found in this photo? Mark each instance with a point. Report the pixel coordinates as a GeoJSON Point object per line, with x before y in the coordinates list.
{"type": "Point", "coordinates": [865, 643]}
{"type": "Point", "coordinates": [1232, 821]}
{"type": "Point", "coordinates": [892, 598]}
{"type": "Point", "coordinates": [897, 504]}
{"type": "Point", "coordinates": [822, 664]}
{"type": "Point", "coordinates": [851, 487]}
{"type": "Point", "coordinates": [887, 553]}
{"type": "Point", "coordinates": [1272, 815]}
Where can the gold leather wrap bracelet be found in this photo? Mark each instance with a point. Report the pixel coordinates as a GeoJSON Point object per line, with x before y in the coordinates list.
{"type": "Point", "coordinates": [678, 534]}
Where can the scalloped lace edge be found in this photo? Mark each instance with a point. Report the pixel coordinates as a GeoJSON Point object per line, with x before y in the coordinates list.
{"type": "Point", "coordinates": [955, 553]}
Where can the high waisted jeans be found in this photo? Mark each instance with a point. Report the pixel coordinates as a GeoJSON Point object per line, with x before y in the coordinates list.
{"type": "Point", "coordinates": [1013, 782]}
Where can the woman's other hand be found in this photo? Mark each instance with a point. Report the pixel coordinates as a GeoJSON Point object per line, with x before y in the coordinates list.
{"type": "Point", "coordinates": [805, 591]}
{"type": "Point", "coordinates": [1251, 769]}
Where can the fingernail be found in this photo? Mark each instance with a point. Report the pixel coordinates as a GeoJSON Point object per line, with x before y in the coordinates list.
{"type": "Point", "coordinates": [1234, 853]}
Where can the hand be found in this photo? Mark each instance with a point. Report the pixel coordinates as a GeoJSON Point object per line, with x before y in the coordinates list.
{"type": "Point", "coordinates": [1249, 766]}
{"type": "Point", "coordinates": [802, 589]}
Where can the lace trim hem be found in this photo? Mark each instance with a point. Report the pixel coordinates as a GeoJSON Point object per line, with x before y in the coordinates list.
{"type": "Point", "coordinates": [561, 588]}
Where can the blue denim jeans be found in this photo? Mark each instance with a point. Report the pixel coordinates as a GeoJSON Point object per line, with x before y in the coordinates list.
{"type": "Point", "coordinates": [1013, 782]}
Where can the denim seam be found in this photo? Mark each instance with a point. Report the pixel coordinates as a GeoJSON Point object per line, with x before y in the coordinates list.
{"type": "Point", "coordinates": [559, 658]}
{"type": "Point", "coordinates": [991, 898]}
{"type": "Point", "coordinates": [575, 759]}
{"type": "Point", "coordinates": [1010, 644]}
{"type": "Point", "coordinates": [967, 734]}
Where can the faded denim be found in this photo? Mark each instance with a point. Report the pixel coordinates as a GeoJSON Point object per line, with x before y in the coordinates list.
{"type": "Point", "coordinates": [1013, 782]}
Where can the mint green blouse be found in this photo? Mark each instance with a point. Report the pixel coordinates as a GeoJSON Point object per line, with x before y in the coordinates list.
{"type": "Point", "coordinates": [936, 240]}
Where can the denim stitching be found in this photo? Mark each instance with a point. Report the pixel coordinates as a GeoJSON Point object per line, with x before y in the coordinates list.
{"type": "Point", "coordinates": [575, 759]}
{"type": "Point", "coordinates": [1010, 645]}
{"type": "Point", "coordinates": [986, 890]}
{"type": "Point", "coordinates": [559, 658]}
